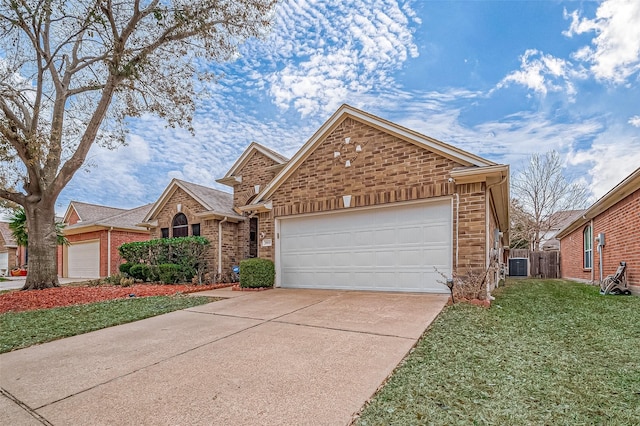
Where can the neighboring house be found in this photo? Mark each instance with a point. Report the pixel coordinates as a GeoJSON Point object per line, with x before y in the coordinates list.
{"type": "Point", "coordinates": [94, 234]}
{"type": "Point", "coordinates": [615, 216]}
{"type": "Point", "coordinates": [365, 204]}
{"type": "Point", "coordinates": [8, 250]}
{"type": "Point", "coordinates": [558, 221]}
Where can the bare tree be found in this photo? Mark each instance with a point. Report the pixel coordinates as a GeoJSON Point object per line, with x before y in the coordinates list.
{"type": "Point", "coordinates": [72, 71]}
{"type": "Point", "coordinates": [541, 191]}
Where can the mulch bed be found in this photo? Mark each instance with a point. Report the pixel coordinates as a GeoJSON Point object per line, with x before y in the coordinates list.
{"type": "Point", "coordinates": [17, 301]}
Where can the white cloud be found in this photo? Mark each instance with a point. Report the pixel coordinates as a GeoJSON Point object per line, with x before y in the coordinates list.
{"type": "Point", "coordinates": [342, 53]}
{"type": "Point", "coordinates": [608, 163]}
{"type": "Point", "coordinates": [543, 73]}
{"type": "Point", "coordinates": [635, 121]}
{"type": "Point", "coordinates": [615, 52]}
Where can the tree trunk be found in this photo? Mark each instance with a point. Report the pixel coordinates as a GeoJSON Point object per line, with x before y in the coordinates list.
{"type": "Point", "coordinates": [43, 249]}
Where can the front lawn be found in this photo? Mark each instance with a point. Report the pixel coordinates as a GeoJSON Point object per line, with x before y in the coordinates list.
{"type": "Point", "coordinates": [22, 329]}
{"type": "Point", "coordinates": [546, 352]}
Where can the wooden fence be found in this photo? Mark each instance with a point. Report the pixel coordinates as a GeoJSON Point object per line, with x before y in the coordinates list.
{"type": "Point", "coordinates": [542, 264]}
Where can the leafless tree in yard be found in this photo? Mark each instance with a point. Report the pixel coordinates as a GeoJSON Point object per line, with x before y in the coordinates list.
{"type": "Point", "coordinates": [540, 191]}
{"type": "Point", "coordinates": [71, 71]}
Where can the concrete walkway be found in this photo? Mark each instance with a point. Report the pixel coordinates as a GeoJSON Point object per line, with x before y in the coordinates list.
{"type": "Point", "coordinates": [274, 357]}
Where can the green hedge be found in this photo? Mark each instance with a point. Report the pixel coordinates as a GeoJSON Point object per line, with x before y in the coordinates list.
{"type": "Point", "coordinates": [125, 268]}
{"type": "Point", "coordinates": [257, 273]}
{"type": "Point", "coordinates": [186, 252]}
{"type": "Point", "coordinates": [169, 273]}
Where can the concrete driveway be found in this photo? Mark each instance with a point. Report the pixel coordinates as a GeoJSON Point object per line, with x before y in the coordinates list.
{"type": "Point", "coordinates": [275, 357]}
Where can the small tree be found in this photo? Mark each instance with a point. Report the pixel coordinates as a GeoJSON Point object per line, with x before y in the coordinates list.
{"type": "Point", "coordinates": [18, 227]}
{"type": "Point", "coordinates": [72, 71]}
{"type": "Point", "coordinates": [541, 191]}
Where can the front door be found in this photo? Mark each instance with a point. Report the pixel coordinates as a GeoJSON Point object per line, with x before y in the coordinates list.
{"type": "Point", "coordinates": [253, 237]}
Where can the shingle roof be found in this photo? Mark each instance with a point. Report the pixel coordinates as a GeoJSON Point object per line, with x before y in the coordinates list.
{"type": "Point", "coordinates": [212, 199]}
{"type": "Point", "coordinates": [93, 212]}
{"type": "Point", "coordinates": [7, 236]}
{"type": "Point", "coordinates": [121, 219]}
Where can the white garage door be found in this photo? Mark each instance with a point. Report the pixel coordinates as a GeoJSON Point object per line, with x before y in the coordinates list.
{"type": "Point", "coordinates": [394, 248]}
{"type": "Point", "coordinates": [84, 260]}
{"type": "Point", "coordinates": [4, 263]}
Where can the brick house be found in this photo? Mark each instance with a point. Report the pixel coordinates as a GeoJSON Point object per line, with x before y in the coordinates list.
{"type": "Point", "coordinates": [94, 233]}
{"type": "Point", "coordinates": [8, 250]}
{"type": "Point", "coordinates": [364, 204]}
{"type": "Point", "coordinates": [616, 216]}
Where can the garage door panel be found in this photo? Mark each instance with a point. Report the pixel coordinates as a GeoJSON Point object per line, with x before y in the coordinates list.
{"type": "Point", "coordinates": [83, 260]}
{"type": "Point", "coordinates": [390, 248]}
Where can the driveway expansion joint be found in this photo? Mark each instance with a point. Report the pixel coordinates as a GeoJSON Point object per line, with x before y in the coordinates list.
{"type": "Point", "coordinates": [25, 407]}
{"type": "Point", "coordinates": [346, 330]}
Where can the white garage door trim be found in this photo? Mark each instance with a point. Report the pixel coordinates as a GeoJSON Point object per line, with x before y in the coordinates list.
{"type": "Point", "coordinates": [83, 259]}
{"type": "Point", "coordinates": [333, 250]}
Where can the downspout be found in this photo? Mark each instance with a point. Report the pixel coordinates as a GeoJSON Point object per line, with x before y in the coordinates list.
{"type": "Point", "coordinates": [593, 276]}
{"type": "Point", "coordinates": [109, 251]}
{"type": "Point", "coordinates": [488, 212]}
{"type": "Point", "coordinates": [220, 245]}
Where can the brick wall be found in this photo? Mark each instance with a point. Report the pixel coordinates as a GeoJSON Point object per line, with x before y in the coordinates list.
{"type": "Point", "coordinates": [388, 170]}
{"type": "Point", "coordinates": [572, 256]}
{"type": "Point", "coordinates": [231, 253]}
{"type": "Point", "coordinates": [621, 226]}
{"type": "Point", "coordinates": [254, 172]}
{"type": "Point", "coordinates": [73, 217]}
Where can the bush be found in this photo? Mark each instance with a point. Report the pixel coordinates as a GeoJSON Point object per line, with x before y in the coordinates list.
{"type": "Point", "coordinates": [257, 273]}
{"type": "Point", "coordinates": [169, 273]}
{"type": "Point", "coordinates": [187, 252]}
{"type": "Point", "coordinates": [140, 271]}
{"type": "Point", "coordinates": [126, 267]}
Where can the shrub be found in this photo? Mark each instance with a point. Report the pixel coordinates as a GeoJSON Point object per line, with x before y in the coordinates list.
{"type": "Point", "coordinates": [188, 252]}
{"type": "Point", "coordinates": [126, 282]}
{"type": "Point", "coordinates": [257, 273]}
{"type": "Point", "coordinates": [139, 271]}
{"type": "Point", "coordinates": [169, 273]}
{"type": "Point", "coordinates": [126, 267]}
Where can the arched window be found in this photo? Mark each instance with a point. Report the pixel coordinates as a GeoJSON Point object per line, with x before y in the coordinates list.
{"type": "Point", "coordinates": [180, 226]}
{"type": "Point", "coordinates": [587, 237]}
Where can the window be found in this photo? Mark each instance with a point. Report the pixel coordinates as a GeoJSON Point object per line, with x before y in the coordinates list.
{"type": "Point", "coordinates": [180, 226]}
{"type": "Point", "coordinates": [195, 229]}
{"type": "Point", "coordinates": [587, 235]}
{"type": "Point", "coordinates": [253, 237]}
{"type": "Point", "coordinates": [165, 232]}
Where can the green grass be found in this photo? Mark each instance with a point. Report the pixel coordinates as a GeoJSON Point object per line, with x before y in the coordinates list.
{"type": "Point", "coordinates": [22, 329]}
{"type": "Point", "coordinates": [547, 352]}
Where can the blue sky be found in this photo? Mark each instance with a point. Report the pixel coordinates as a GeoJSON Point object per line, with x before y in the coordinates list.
{"type": "Point", "coordinates": [501, 79]}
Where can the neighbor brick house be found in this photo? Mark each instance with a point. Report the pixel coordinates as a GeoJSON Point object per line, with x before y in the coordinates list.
{"type": "Point", "coordinates": [94, 233]}
{"type": "Point", "coordinates": [8, 250]}
{"type": "Point", "coordinates": [364, 204]}
{"type": "Point", "coordinates": [616, 216]}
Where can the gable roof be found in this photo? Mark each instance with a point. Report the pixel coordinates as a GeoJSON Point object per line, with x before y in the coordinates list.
{"type": "Point", "coordinates": [216, 203]}
{"type": "Point", "coordinates": [90, 212]}
{"type": "Point", "coordinates": [123, 219]}
{"type": "Point", "coordinates": [229, 177]}
{"type": "Point", "coordinates": [7, 235]}
{"type": "Point", "coordinates": [628, 186]}
{"type": "Point", "coordinates": [347, 111]}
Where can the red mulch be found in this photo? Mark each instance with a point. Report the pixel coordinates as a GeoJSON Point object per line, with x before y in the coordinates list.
{"type": "Point", "coordinates": [65, 296]}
